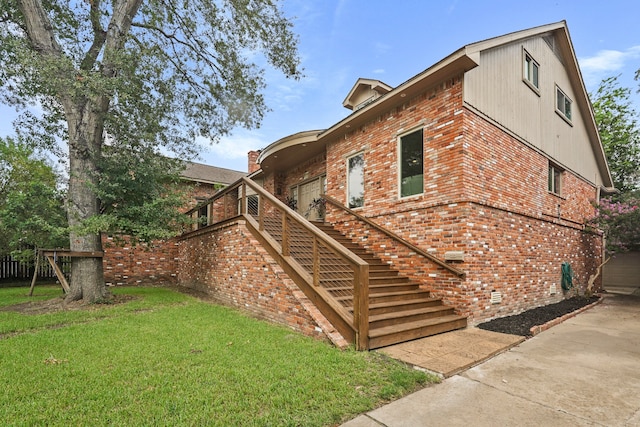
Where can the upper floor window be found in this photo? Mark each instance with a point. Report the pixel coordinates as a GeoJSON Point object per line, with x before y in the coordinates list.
{"type": "Point", "coordinates": [411, 164]}
{"type": "Point", "coordinates": [563, 104]}
{"type": "Point", "coordinates": [555, 179]}
{"type": "Point", "coordinates": [355, 181]}
{"type": "Point", "coordinates": [531, 69]}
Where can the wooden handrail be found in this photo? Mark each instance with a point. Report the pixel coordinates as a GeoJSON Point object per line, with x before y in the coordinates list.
{"type": "Point", "coordinates": [359, 322]}
{"type": "Point", "coordinates": [397, 238]}
{"type": "Point", "coordinates": [307, 225]}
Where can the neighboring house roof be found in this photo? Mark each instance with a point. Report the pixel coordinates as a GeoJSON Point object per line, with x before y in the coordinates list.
{"type": "Point", "coordinates": [460, 61]}
{"type": "Point", "coordinates": [207, 174]}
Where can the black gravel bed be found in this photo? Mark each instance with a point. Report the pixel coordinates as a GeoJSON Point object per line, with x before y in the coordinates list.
{"type": "Point", "coordinates": [521, 324]}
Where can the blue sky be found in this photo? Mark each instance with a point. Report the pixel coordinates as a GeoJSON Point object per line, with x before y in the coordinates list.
{"type": "Point", "coordinates": [342, 40]}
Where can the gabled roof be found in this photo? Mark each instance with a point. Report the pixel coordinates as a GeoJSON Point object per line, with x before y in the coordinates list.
{"type": "Point", "coordinates": [460, 61]}
{"type": "Point", "coordinates": [565, 47]}
{"type": "Point", "coordinates": [207, 174]}
{"type": "Point", "coordinates": [365, 86]}
{"type": "Point", "coordinates": [467, 58]}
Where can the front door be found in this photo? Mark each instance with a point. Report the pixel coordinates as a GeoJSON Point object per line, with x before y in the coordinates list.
{"type": "Point", "coordinates": [307, 193]}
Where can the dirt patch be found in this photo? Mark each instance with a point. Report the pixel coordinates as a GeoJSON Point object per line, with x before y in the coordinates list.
{"type": "Point", "coordinates": [522, 323]}
{"type": "Point", "coordinates": [58, 304]}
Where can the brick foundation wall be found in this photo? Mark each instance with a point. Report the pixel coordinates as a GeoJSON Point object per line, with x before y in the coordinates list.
{"type": "Point", "coordinates": [125, 264]}
{"type": "Point", "coordinates": [227, 262]}
{"type": "Point", "coordinates": [521, 257]}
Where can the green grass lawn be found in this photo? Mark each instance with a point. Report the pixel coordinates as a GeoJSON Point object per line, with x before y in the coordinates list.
{"type": "Point", "coordinates": [165, 358]}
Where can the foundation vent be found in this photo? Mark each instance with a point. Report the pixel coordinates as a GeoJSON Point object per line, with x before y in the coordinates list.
{"type": "Point", "coordinates": [496, 297]}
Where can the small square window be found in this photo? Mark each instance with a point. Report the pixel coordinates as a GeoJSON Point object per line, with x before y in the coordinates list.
{"type": "Point", "coordinates": [531, 70]}
{"type": "Point", "coordinates": [555, 179]}
{"type": "Point", "coordinates": [563, 104]}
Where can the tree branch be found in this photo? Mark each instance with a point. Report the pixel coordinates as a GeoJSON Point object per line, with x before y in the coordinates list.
{"type": "Point", "coordinates": [174, 39]}
{"type": "Point", "coordinates": [119, 27]}
{"type": "Point", "coordinates": [178, 67]}
{"type": "Point", "coordinates": [39, 28]}
{"type": "Point", "coordinates": [99, 37]}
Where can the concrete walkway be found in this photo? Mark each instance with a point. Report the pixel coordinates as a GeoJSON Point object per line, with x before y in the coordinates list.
{"type": "Point", "coordinates": [583, 372]}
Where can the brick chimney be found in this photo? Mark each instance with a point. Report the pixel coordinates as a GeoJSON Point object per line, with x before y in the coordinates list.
{"type": "Point", "coordinates": [253, 161]}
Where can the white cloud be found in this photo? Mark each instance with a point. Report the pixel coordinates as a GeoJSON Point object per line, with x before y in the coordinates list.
{"type": "Point", "coordinates": [231, 147]}
{"type": "Point", "coordinates": [378, 71]}
{"type": "Point", "coordinates": [606, 63]}
{"type": "Point", "coordinates": [381, 48]}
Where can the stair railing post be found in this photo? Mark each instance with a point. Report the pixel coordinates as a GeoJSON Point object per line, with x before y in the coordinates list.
{"type": "Point", "coordinates": [316, 262]}
{"type": "Point", "coordinates": [285, 234]}
{"type": "Point", "coordinates": [243, 199]}
{"type": "Point", "coordinates": [260, 213]}
{"type": "Point", "coordinates": [361, 306]}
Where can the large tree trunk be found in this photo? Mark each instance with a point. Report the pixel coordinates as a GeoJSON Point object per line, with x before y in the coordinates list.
{"type": "Point", "coordinates": [85, 141]}
{"type": "Point", "coordinates": [85, 109]}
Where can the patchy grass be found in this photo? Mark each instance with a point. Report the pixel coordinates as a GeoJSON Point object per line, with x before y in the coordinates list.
{"type": "Point", "coordinates": [164, 358]}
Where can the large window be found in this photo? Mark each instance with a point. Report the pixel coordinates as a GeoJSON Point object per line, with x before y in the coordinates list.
{"type": "Point", "coordinates": [531, 68]}
{"type": "Point", "coordinates": [411, 164]}
{"type": "Point", "coordinates": [563, 104]}
{"type": "Point", "coordinates": [355, 181]}
{"type": "Point", "coordinates": [555, 179]}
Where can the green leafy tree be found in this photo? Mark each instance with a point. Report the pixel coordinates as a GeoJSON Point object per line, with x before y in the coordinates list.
{"type": "Point", "coordinates": [134, 78]}
{"type": "Point", "coordinates": [32, 211]}
{"type": "Point", "coordinates": [618, 127]}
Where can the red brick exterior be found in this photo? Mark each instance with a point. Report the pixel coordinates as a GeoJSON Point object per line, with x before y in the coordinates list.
{"type": "Point", "coordinates": [139, 265]}
{"type": "Point", "coordinates": [125, 264]}
{"type": "Point", "coordinates": [253, 165]}
{"type": "Point", "coordinates": [227, 262]}
{"type": "Point", "coordinates": [485, 194]}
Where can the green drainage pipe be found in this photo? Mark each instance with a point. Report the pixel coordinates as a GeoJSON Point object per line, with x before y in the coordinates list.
{"type": "Point", "coordinates": [567, 276]}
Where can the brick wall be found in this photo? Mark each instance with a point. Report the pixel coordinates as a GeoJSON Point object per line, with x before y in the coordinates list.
{"type": "Point", "coordinates": [438, 111]}
{"type": "Point", "coordinates": [485, 194]}
{"type": "Point", "coordinates": [125, 264]}
{"type": "Point", "coordinates": [227, 262]}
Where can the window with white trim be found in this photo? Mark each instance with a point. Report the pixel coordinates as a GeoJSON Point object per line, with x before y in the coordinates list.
{"type": "Point", "coordinates": [563, 104]}
{"type": "Point", "coordinates": [411, 164]}
{"type": "Point", "coordinates": [531, 71]}
{"type": "Point", "coordinates": [555, 179]}
{"type": "Point", "coordinates": [355, 181]}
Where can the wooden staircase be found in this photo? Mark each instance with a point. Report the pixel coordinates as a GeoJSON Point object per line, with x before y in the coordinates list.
{"type": "Point", "coordinates": [399, 310]}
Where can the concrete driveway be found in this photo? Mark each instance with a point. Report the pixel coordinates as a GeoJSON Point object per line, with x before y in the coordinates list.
{"type": "Point", "coordinates": [583, 372]}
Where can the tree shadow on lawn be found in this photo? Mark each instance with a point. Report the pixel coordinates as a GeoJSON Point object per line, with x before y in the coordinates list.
{"type": "Point", "coordinates": [57, 304]}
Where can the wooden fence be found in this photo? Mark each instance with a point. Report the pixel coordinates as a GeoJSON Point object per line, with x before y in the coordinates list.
{"type": "Point", "coordinates": [12, 269]}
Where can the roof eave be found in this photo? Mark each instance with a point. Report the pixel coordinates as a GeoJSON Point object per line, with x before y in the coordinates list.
{"type": "Point", "coordinates": [458, 62]}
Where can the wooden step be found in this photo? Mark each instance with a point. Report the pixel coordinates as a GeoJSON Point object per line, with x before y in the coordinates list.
{"type": "Point", "coordinates": [399, 310]}
{"type": "Point", "coordinates": [384, 294]}
{"type": "Point", "coordinates": [391, 306]}
{"type": "Point", "coordinates": [389, 279]}
{"type": "Point", "coordinates": [405, 296]}
{"type": "Point", "coordinates": [381, 337]}
{"type": "Point", "coordinates": [381, 287]}
{"type": "Point", "coordinates": [394, 318]}
{"type": "Point", "coordinates": [341, 271]}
